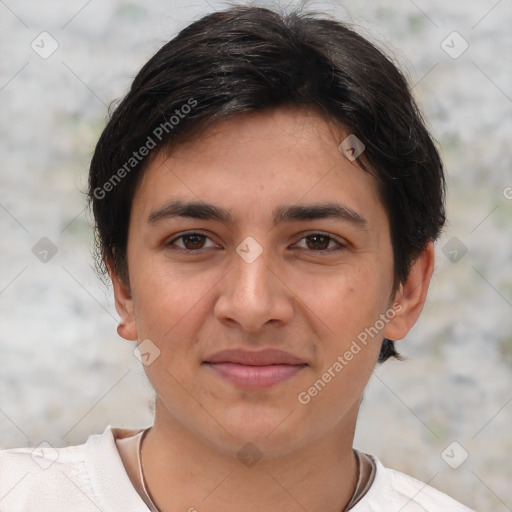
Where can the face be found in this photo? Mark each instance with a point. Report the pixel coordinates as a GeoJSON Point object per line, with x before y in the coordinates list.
{"type": "Point", "coordinates": [289, 251]}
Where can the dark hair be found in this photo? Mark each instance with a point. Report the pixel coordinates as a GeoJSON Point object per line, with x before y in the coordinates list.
{"type": "Point", "coordinates": [248, 59]}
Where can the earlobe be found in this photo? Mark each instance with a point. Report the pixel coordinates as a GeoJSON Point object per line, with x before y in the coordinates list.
{"type": "Point", "coordinates": [127, 327]}
{"type": "Point", "coordinates": [125, 332]}
{"type": "Point", "coordinates": [412, 295]}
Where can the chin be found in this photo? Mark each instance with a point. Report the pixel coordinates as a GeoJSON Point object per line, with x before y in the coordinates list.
{"type": "Point", "coordinates": [270, 431]}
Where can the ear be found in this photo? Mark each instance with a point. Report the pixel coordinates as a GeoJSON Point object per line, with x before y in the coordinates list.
{"type": "Point", "coordinates": [127, 327]}
{"type": "Point", "coordinates": [411, 296]}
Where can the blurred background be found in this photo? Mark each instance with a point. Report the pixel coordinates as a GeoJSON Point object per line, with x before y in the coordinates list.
{"type": "Point", "coordinates": [444, 415]}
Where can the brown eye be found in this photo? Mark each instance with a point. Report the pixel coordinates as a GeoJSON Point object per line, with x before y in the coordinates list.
{"type": "Point", "coordinates": [320, 242]}
{"type": "Point", "coordinates": [191, 242]}
{"type": "Point", "coordinates": [317, 242]}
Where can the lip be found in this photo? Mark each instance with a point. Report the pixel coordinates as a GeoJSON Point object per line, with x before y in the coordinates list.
{"type": "Point", "coordinates": [255, 369]}
{"type": "Point", "coordinates": [254, 358]}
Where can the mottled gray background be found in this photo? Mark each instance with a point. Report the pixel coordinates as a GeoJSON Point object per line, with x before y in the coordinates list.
{"type": "Point", "coordinates": [64, 372]}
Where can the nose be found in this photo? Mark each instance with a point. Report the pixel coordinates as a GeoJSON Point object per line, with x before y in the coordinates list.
{"type": "Point", "coordinates": [254, 294]}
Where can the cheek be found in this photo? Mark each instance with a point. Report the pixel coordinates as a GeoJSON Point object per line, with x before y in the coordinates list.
{"type": "Point", "coordinates": [345, 302]}
{"type": "Point", "coordinates": [166, 303]}
{"type": "Point", "coordinates": [170, 310]}
{"type": "Point", "coordinates": [346, 307]}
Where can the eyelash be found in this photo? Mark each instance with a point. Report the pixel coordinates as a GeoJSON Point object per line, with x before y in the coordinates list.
{"type": "Point", "coordinates": [340, 245]}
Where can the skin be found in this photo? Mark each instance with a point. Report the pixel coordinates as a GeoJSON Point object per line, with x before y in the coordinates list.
{"type": "Point", "coordinates": [302, 294]}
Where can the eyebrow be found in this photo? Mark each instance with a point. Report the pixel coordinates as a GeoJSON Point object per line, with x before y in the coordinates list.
{"type": "Point", "coordinates": [206, 211]}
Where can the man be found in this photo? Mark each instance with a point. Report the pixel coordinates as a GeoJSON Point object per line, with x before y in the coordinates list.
{"type": "Point", "coordinates": [266, 200]}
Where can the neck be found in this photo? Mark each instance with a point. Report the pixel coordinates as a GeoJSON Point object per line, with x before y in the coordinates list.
{"type": "Point", "coordinates": [186, 472]}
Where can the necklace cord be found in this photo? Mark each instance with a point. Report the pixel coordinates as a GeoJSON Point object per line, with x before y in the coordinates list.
{"type": "Point", "coordinates": [145, 489]}
{"type": "Point", "coordinates": [356, 496]}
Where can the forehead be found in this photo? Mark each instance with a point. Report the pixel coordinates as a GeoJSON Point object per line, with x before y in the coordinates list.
{"type": "Point", "coordinates": [283, 132]}
{"type": "Point", "coordinates": [267, 158]}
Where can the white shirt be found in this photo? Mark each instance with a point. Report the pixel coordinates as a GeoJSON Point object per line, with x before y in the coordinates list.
{"type": "Point", "coordinates": [91, 477]}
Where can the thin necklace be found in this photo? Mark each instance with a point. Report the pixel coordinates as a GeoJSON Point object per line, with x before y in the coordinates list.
{"type": "Point", "coordinates": [142, 478]}
{"type": "Point", "coordinates": [355, 495]}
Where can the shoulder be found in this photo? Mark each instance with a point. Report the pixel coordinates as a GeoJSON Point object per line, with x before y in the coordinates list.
{"type": "Point", "coordinates": [424, 497]}
{"type": "Point", "coordinates": [59, 479]}
{"type": "Point", "coordinates": [30, 476]}
{"type": "Point", "coordinates": [393, 490]}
